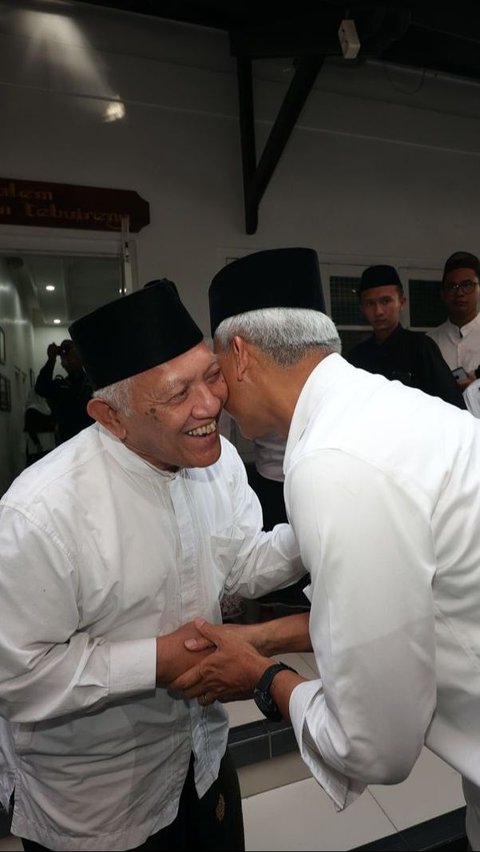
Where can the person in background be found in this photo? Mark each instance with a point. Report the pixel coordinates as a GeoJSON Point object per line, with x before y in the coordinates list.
{"type": "Point", "coordinates": [396, 352]}
{"type": "Point", "coordinates": [458, 338]}
{"type": "Point", "coordinates": [109, 545]}
{"type": "Point", "coordinates": [67, 395]}
{"type": "Point", "coordinates": [39, 427]}
{"type": "Point", "coordinates": [382, 491]}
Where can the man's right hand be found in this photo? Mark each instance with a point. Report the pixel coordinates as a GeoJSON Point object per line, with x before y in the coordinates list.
{"type": "Point", "coordinates": [173, 657]}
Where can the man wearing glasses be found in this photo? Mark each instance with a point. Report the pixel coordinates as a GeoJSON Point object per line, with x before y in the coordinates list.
{"type": "Point", "coordinates": [459, 337]}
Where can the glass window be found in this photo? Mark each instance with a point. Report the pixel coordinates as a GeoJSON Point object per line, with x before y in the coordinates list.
{"type": "Point", "coordinates": [344, 300]}
{"type": "Point", "coordinates": [426, 308]}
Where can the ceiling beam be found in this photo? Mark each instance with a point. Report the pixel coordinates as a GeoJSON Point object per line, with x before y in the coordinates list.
{"type": "Point", "coordinates": [257, 177]}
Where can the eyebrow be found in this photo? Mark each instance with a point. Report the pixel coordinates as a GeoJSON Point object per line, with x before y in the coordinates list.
{"type": "Point", "coordinates": [171, 385]}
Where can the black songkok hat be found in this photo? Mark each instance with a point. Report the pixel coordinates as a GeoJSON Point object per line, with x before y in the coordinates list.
{"type": "Point", "coordinates": [462, 260]}
{"type": "Point", "coordinates": [134, 333]}
{"type": "Point", "coordinates": [277, 278]}
{"type": "Point", "coordinates": [379, 276]}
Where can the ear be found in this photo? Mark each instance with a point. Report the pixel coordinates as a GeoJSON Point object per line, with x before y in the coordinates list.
{"type": "Point", "coordinates": [107, 416]}
{"type": "Point", "coordinates": [241, 356]}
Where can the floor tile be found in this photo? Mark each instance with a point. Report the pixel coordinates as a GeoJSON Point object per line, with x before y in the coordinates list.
{"type": "Point", "coordinates": [10, 844]}
{"type": "Point", "coordinates": [309, 659]}
{"type": "Point", "coordinates": [300, 816]}
{"type": "Point", "coordinates": [273, 773]}
{"type": "Point", "coordinates": [303, 663]}
{"type": "Point", "coordinates": [432, 788]}
{"type": "Point", "coordinates": [242, 712]}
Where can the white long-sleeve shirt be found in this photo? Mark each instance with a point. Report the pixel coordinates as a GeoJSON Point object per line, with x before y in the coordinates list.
{"type": "Point", "coordinates": [100, 553]}
{"type": "Point", "coordinates": [460, 347]}
{"type": "Point", "coordinates": [382, 490]}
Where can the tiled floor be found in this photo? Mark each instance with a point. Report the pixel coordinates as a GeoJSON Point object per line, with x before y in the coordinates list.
{"type": "Point", "coordinates": [285, 809]}
{"type": "Point", "coordinates": [299, 816]}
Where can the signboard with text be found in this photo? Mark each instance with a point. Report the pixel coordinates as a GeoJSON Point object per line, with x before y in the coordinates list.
{"type": "Point", "coordinates": [61, 205]}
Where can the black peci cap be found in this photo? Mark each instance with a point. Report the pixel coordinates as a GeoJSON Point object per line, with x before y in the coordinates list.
{"type": "Point", "coordinates": [277, 278]}
{"type": "Point", "coordinates": [462, 260]}
{"type": "Point", "coordinates": [379, 276]}
{"type": "Point", "coordinates": [134, 333]}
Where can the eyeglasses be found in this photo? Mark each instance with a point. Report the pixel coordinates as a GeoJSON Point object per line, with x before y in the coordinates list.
{"type": "Point", "coordinates": [465, 286]}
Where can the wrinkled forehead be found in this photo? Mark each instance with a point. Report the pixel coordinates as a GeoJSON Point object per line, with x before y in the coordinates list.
{"type": "Point", "coordinates": [186, 368]}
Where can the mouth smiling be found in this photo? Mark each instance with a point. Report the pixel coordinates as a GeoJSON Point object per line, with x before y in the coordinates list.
{"type": "Point", "coordinates": [201, 431]}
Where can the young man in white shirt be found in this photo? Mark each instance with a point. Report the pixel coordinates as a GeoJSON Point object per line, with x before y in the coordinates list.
{"type": "Point", "coordinates": [458, 338]}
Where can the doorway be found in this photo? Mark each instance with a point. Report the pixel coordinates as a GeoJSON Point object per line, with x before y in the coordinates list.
{"type": "Point", "coordinates": [40, 295]}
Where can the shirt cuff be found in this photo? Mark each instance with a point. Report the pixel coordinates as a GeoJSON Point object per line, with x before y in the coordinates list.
{"type": "Point", "coordinates": [133, 666]}
{"type": "Point", "coordinates": [341, 789]}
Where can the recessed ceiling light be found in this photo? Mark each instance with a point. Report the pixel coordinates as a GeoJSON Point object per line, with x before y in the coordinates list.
{"type": "Point", "coordinates": [50, 287]}
{"type": "Point", "coordinates": [56, 321]}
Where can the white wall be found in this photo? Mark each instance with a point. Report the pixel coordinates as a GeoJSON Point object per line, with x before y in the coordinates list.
{"type": "Point", "coordinates": [383, 165]}
{"type": "Point", "coordinates": [17, 327]}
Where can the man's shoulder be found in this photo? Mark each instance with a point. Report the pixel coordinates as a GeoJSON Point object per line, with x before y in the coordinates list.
{"type": "Point", "coordinates": [57, 471]}
{"type": "Point", "coordinates": [438, 331]}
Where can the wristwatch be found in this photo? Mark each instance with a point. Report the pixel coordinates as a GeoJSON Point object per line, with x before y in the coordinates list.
{"type": "Point", "coordinates": [261, 693]}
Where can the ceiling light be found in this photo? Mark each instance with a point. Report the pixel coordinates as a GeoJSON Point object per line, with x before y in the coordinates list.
{"type": "Point", "coordinates": [50, 287]}
{"type": "Point", "coordinates": [57, 321]}
{"type": "Point", "coordinates": [114, 111]}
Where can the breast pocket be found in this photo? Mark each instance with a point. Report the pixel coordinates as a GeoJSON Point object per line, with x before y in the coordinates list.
{"type": "Point", "coordinates": [226, 548]}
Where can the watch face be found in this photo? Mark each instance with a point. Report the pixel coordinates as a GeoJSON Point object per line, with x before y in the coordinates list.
{"type": "Point", "coordinates": [266, 704]}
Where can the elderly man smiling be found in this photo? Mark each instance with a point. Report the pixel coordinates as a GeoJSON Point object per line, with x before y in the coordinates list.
{"type": "Point", "coordinates": [108, 546]}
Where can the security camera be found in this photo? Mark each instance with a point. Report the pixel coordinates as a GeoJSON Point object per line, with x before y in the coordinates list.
{"type": "Point", "coordinates": [349, 41]}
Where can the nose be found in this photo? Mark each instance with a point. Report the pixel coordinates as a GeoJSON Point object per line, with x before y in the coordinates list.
{"type": "Point", "coordinates": [207, 403]}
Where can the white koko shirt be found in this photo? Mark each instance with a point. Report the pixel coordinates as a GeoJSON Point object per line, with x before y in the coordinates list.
{"type": "Point", "coordinates": [459, 347]}
{"type": "Point", "coordinates": [382, 490]}
{"type": "Point", "coordinates": [100, 553]}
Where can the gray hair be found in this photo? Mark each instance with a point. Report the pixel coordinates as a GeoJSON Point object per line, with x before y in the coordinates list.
{"type": "Point", "coordinates": [286, 335]}
{"type": "Point", "coordinates": [118, 396]}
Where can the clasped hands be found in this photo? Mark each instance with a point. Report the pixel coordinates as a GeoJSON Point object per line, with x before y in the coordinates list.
{"type": "Point", "coordinates": [227, 665]}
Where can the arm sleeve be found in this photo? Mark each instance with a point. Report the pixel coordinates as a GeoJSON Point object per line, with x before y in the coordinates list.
{"type": "Point", "coordinates": [265, 561]}
{"type": "Point", "coordinates": [366, 541]}
{"type": "Point", "coordinates": [48, 666]}
{"type": "Point", "coordinates": [45, 385]}
{"type": "Point", "coordinates": [437, 377]}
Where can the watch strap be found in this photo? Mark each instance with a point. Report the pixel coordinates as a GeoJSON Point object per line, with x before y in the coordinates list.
{"type": "Point", "coordinates": [261, 692]}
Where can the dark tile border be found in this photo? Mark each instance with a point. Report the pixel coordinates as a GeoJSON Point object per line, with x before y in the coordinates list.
{"type": "Point", "coordinates": [445, 833]}
{"type": "Point", "coordinates": [260, 740]}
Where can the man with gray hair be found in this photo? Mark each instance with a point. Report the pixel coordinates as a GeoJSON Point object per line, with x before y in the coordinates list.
{"type": "Point", "coordinates": [109, 547]}
{"type": "Point", "coordinates": [382, 491]}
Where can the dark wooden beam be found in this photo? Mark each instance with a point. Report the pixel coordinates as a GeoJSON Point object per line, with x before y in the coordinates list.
{"type": "Point", "coordinates": [257, 177]}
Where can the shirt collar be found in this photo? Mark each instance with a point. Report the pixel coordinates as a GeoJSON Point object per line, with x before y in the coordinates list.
{"type": "Point", "coordinates": [465, 330]}
{"type": "Point", "coordinates": [130, 460]}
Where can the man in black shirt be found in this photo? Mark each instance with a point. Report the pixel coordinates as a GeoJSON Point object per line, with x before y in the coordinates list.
{"type": "Point", "coordinates": [67, 395]}
{"type": "Point", "coordinates": [393, 351]}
